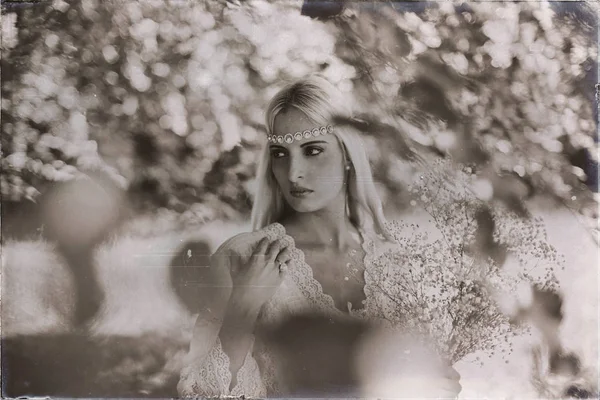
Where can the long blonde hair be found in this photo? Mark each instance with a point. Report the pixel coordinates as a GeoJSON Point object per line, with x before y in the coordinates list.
{"type": "Point", "coordinates": [321, 102]}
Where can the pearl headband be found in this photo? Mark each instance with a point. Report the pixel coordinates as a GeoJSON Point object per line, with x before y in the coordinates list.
{"type": "Point", "coordinates": [290, 137]}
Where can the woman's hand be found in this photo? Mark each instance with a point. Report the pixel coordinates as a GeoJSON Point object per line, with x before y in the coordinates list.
{"type": "Point", "coordinates": [250, 263]}
{"type": "Point", "coordinates": [256, 280]}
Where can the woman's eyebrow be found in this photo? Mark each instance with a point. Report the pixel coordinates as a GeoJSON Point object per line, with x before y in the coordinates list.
{"type": "Point", "coordinates": [313, 142]}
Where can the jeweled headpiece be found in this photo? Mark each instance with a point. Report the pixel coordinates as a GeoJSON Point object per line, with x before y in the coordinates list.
{"type": "Point", "coordinates": [290, 137]}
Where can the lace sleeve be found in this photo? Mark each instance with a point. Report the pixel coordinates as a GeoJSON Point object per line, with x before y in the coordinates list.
{"type": "Point", "coordinates": [207, 372]}
{"type": "Point", "coordinates": [211, 377]}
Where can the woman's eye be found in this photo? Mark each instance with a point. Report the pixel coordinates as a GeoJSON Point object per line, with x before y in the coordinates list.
{"type": "Point", "coordinates": [277, 154]}
{"type": "Point", "coordinates": [313, 151]}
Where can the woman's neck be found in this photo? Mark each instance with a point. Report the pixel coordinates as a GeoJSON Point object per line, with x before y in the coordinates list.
{"type": "Point", "coordinates": [327, 227]}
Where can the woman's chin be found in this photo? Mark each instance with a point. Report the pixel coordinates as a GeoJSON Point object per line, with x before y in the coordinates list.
{"type": "Point", "coordinates": [301, 208]}
{"type": "Point", "coordinates": [301, 205]}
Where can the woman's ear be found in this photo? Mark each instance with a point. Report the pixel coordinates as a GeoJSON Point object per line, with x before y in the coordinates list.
{"type": "Point", "coordinates": [347, 170]}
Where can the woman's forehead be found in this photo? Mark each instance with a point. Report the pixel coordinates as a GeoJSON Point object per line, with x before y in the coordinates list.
{"type": "Point", "coordinates": [292, 121]}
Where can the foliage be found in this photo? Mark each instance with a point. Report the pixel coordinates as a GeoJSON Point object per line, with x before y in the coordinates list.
{"type": "Point", "coordinates": [165, 92]}
{"type": "Point", "coordinates": [493, 85]}
{"type": "Point", "coordinates": [160, 95]}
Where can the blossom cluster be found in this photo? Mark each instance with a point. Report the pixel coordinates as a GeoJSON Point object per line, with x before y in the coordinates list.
{"type": "Point", "coordinates": [451, 274]}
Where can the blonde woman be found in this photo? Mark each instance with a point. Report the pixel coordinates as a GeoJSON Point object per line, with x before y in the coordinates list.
{"type": "Point", "coordinates": [316, 219]}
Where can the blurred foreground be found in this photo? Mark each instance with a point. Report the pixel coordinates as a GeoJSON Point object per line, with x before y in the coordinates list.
{"type": "Point", "coordinates": [116, 319]}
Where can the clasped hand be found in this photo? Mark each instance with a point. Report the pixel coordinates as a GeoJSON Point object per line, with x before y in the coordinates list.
{"type": "Point", "coordinates": [257, 265]}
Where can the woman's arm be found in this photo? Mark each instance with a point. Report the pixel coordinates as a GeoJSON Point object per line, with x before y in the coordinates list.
{"type": "Point", "coordinates": [236, 334]}
{"type": "Point", "coordinates": [253, 281]}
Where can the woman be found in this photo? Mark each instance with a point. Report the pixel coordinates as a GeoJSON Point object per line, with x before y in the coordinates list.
{"type": "Point", "coordinates": [315, 186]}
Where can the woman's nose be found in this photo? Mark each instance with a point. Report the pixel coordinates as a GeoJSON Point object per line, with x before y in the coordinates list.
{"type": "Point", "coordinates": [297, 169]}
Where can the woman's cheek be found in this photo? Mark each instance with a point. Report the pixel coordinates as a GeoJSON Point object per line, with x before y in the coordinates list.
{"type": "Point", "coordinates": [278, 174]}
{"type": "Point", "coordinates": [330, 168]}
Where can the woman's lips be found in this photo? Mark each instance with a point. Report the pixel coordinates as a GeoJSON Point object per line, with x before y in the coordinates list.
{"type": "Point", "coordinates": [300, 192]}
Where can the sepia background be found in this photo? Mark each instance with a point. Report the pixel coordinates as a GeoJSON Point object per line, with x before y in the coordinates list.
{"type": "Point", "coordinates": [130, 137]}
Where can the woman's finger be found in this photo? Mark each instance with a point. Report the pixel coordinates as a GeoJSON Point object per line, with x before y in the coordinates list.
{"type": "Point", "coordinates": [273, 251]}
{"type": "Point", "coordinates": [283, 256]}
{"type": "Point", "coordinates": [261, 248]}
{"type": "Point", "coordinates": [283, 268]}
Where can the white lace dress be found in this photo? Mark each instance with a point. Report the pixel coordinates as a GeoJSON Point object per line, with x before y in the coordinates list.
{"type": "Point", "coordinates": [208, 374]}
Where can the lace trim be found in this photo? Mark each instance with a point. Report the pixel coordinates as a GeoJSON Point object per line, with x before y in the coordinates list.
{"type": "Point", "coordinates": [369, 288]}
{"type": "Point", "coordinates": [274, 231]}
{"type": "Point", "coordinates": [308, 285]}
{"type": "Point", "coordinates": [268, 369]}
{"type": "Point", "coordinates": [301, 272]}
{"type": "Point", "coordinates": [313, 290]}
{"type": "Point", "coordinates": [378, 305]}
{"type": "Point", "coordinates": [211, 377]}
{"type": "Point", "coordinates": [249, 380]}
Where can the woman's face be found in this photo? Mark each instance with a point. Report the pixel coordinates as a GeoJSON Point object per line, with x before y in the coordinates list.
{"type": "Point", "coordinates": [309, 172]}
